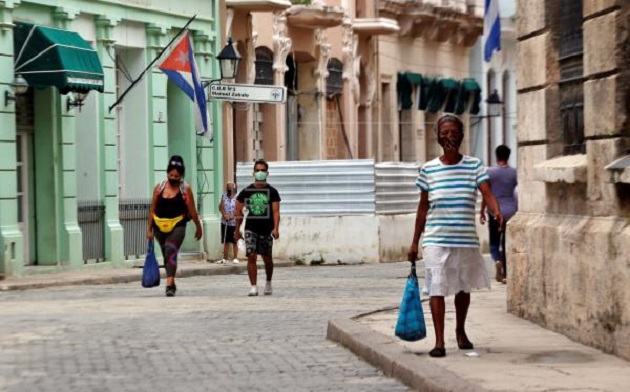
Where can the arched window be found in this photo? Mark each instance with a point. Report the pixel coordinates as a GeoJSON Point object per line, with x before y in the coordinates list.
{"type": "Point", "coordinates": [264, 66]}
{"type": "Point", "coordinates": [334, 81]}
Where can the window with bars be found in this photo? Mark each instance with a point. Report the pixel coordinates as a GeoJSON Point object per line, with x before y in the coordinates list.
{"type": "Point", "coordinates": [264, 66]}
{"type": "Point", "coordinates": [334, 81]}
{"type": "Point", "coordinates": [571, 58]}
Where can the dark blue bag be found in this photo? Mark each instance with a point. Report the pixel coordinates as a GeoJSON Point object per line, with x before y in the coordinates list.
{"type": "Point", "coordinates": [410, 325]}
{"type": "Point", "coordinates": [151, 269]}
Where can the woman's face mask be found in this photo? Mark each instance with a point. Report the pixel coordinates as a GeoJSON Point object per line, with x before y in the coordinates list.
{"type": "Point", "coordinates": [450, 137]}
{"type": "Point", "coordinates": [230, 191]}
{"type": "Point", "coordinates": [175, 181]}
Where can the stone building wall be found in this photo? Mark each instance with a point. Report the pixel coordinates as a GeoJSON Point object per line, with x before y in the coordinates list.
{"type": "Point", "coordinates": [569, 245]}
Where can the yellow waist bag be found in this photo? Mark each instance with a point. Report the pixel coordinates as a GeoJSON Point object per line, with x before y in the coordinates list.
{"type": "Point", "coordinates": [166, 225]}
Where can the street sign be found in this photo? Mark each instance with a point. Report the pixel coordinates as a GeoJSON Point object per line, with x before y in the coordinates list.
{"type": "Point", "coordinates": [248, 93]}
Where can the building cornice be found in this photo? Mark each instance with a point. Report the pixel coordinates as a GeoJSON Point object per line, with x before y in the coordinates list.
{"type": "Point", "coordinates": [436, 23]}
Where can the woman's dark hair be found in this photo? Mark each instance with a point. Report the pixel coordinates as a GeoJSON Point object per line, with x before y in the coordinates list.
{"type": "Point", "coordinates": [449, 118]}
{"type": "Point", "coordinates": [502, 152]}
{"type": "Point", "coordinates": [261, 162]}
{"type": "Point", "coordinates": [176, 162]}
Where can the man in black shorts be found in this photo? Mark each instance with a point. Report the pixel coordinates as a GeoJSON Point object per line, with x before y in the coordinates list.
{"type": "Point", "coordinates": [262, 226]}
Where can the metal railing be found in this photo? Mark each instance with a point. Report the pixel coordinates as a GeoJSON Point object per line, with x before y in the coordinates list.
{"type": "Point", "coordinates": [341, 187]}
{"type": "Point", "coordinates": [396, 191]}
{"type": "Point", "coordinates": [133, 215]}
{"type": "Point", "coordinates": [91, 217]}
{"type": "Point", "coordinates": [319, 188]}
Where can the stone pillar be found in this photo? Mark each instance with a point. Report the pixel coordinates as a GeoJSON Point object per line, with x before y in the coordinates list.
{"type": "Point", "coordinates": [250, 137]}
{"type": "Point", "coordinates": [11, 241]}
{"type": "Point", "coordinates": [322, 50]}
{"type": "Point", "coordinates": [351, 89]}
{"type": "Point", "coordinates": [281, 48]}
{"type": "Point", "coordinates": [367, 99]}
{"type": "Point", "coordinates": [70, 238]}
{"type": "Point", "coordinates": [206, 192]}
{"type": "Point", "coordinates": [108, 129]}
{"type": "Point", "coordinates": [606, 112]}
{"type": "Point", "coordinates": [156, 85]}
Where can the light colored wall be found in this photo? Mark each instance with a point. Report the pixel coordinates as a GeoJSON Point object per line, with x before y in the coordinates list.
{"type": "Point", "coordinates": [432, 59]}
{"type": "Point", "coordinates": [83, 143]}
{"type": "Point", "coordinates": [345, 239]}
{"type": "Point", "coordinates": [501, 62]}
{"type": "Point", "coordinates": [134, 129]}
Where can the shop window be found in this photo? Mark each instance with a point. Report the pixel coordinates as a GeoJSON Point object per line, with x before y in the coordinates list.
{"type": "Point", "coordinates": [334, 81]}
{"type": "Point", "coordinates": [264, 66]}
{"type": "Point", "coordinates": [572, 77]}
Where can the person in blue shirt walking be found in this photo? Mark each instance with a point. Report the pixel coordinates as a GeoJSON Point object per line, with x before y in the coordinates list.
{"type": "Point", "coordinates": [503, 181]}
{"type": "Point", "coordinates": [446, 216]}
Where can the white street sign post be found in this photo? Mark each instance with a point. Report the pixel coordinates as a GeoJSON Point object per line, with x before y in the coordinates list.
{"type": "Point", "coordinates": [248, 93]}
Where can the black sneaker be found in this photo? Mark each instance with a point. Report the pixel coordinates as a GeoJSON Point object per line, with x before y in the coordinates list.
{"type": "Point", "coordinates": [170, 291]}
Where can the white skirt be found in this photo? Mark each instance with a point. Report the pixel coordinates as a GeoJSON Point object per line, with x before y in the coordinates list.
{"type": "Point", "coordinates": [450, 270]}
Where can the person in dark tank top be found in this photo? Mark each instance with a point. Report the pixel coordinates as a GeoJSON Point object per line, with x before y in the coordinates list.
{"type": "Point", "coordinates": [173, 205]}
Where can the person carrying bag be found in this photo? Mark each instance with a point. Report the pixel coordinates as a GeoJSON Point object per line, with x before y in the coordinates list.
{"type": "Point", "coordinates": [410, 325]}
{"type": "Point", "coordinates": [151, 269]}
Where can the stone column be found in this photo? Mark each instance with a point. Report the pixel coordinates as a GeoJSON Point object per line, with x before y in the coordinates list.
{"type": "Point", "coordinates": [156, 85]}
{"type": "Point", "coordinates": [108, 128]}
{"type": "Point", "coordinates": [70, 238]}
{"type": "Point", "coordinates": [351, 97]}
{"type": "Point", "coordinates": [206, 192]}
{"type": "Point", "coordinates": [251, 137]}
{"type": "Point", "coordinates": [11, 242]}
{"type": "Point", "coordinates": [322, 50]}
{"type": "Point", "coordinates": [367, 97]}
{"type": "Point", "coordinates": [281, 47]}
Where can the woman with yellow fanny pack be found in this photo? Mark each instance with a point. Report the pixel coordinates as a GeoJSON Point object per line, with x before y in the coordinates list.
{"type": "Point", "coordinates": [173, 205]}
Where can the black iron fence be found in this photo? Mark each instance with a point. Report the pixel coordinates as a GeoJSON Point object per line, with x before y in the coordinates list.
{"type": "Point", "coordinates": [91, 217]}
{"type": "Point", "coordinates": [133, 215]}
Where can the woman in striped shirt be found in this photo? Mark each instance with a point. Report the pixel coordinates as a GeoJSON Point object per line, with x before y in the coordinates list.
{"type": "Point", "coordinates": [446, 216]}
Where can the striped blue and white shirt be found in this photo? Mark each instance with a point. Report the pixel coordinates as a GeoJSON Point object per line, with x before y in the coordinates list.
{"type": "Point", "coordinates": [452, 200]}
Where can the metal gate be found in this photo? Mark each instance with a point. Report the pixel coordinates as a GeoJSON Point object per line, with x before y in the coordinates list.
{"type": "Point", "coordinates": [91, 217]}
{"type": "Point", "coordinates": [133, 214]}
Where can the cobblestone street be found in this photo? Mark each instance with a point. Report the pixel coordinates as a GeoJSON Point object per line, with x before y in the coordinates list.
{"type": "Point", "coordinates": [210, 337]}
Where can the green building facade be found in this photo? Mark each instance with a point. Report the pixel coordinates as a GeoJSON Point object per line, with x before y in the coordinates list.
{"type": "Point", "coordinates": [76, 177]}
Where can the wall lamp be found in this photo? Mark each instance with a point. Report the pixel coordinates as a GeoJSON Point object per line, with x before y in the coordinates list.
{"type": "Point", "coordinates": [76, 102]}
{"type": "Point", "coordinates": [495, 106]}
{"type": "Point", "coordinates": [19, 86]}
{"type": "Point", "coordinates": [228, 63]}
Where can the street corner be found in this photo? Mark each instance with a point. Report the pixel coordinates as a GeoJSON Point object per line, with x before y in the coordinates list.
{"type": "Point", "coordinates": [394, 359]}
{"type": "Point", "coordinates": [509, 354]}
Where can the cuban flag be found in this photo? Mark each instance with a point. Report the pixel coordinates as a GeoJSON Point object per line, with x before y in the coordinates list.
{"type": "Point", "coordinates": [181, 68]}
{"type": "Point", "coordinates": [491, 29]}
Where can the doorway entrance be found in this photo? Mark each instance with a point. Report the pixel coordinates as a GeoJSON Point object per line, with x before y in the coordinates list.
{"type": "Point", "coordinates": [25, 126]}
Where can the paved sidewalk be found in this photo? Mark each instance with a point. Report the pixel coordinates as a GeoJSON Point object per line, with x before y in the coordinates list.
{"type": "Point", "coordinates": [510, 354]}
{"type": "Point", "coordinates": [98, 276]}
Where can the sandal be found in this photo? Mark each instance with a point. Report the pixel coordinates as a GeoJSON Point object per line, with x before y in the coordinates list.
{"type": "Point", "coordinates": [438, 352]}
{"type": "Point", "coordinates": [462, 341]}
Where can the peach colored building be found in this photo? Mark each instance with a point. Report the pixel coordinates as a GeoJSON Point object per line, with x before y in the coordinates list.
{"type": "Point", "coordinates": [342, 62]}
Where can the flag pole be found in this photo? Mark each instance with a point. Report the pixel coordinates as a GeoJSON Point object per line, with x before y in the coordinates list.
{"type": "Point", "coordinates": [152, 62]}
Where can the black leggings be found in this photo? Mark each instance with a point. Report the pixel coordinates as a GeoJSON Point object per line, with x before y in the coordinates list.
{"type": "Point", "coordinates": [170, 244]}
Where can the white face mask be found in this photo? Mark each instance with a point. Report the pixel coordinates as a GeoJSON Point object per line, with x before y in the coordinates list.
{"type": "Point", "coordinates": [260, 175]}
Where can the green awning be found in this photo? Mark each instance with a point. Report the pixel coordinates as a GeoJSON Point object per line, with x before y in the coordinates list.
{"type": "Point", "coordinates": [449, 84]}
{"type": "Point", "coordinates": [404, 86]}
{"type": "Point", "coordinates": [471, 85]}
{"type": "Point", "coordinates": [414, 78]}
{"type": "Point", "coordinates": [47, 56]}
{"type": "Point", "coordinates": [469, 97]}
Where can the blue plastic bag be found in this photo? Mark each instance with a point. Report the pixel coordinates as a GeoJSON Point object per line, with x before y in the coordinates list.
{"type": "Point", "coordinates": [151, 269]}
{"type": "Point", "coordinates": [410, 325]}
